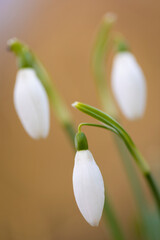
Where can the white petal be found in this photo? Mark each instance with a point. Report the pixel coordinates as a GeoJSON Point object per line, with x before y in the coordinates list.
{"type": "Point", "coordinates": [88, 187]}
{"type": "Point", "coordinates": [31, 103]}
{"type": "Point", "coordinates": [129, 85]}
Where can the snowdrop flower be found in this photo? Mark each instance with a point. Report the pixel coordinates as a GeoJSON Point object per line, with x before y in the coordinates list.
{"type": "Point", "coordinates": [31, 103]}
{"type": "Point", "coordinates": [129, 85]}
{"type": "Point", "coordinates": [88, 183]}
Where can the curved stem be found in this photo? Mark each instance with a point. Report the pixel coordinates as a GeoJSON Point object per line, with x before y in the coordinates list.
{"type": "Point", "coordinates": [98, 61]}
{"type": "Point", "coordinates": [142, 164]}
{"type": "Point", "coordinates": [108, 120]}
{"type": "Point", "coordinates": [97, 125]}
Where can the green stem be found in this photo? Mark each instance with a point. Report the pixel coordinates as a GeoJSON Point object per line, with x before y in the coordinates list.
{"type": "Point", "coordinates": [110, 214]}
{"type": "Point", "coordinates": [135, 182]}
{"type": "Point", "coordinates": [142, 164]}
{"type": "Point", "coordinates": [99, 54]}
{"type": "Point", "coordinates": [96, 125]}
{"type": "Point", "coordinates": [108, 120]}
{"type": "Point", "coordinates": [154, 188]}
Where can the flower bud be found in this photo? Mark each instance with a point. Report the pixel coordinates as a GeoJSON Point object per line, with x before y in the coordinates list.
{"type": "Point", "coordinates": [88, 187]}
{"type": "Point", "coordinates": [31, 103]}
{"type": "Point", "coordinates": [129, 85]}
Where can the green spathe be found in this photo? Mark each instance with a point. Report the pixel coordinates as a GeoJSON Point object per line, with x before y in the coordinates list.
{"type": "Point", "coordinates": [81, 142]}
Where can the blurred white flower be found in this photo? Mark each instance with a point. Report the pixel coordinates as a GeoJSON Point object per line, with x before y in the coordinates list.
{"type": "Point", "coordinates": [88, 187]}
{"type": "Point", "coordinates": [31, 103]}
{"type": "Point", "coordinates": [129, 85]}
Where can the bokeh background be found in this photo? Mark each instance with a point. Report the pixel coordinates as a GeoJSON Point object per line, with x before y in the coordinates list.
{"type": "Point", "coordinates": [36, 197]}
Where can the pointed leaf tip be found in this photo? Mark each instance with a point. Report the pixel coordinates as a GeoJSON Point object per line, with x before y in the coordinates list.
{"type": "Point", "coordinates": [75, 104]}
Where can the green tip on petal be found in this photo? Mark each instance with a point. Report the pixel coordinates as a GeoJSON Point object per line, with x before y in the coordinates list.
{"type": "Point", "coordinates": [81, 142]}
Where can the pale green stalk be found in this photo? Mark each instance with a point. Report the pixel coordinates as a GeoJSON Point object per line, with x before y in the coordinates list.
{"type": "Point", "coordinates": [100, 49]}
{"type": "Point", "coordinates": [99, 56]}
{"type": "Point", "coordinates": [96, 125]}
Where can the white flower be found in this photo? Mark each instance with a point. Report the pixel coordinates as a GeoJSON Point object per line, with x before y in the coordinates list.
{"type": "Point", "coordinates": [31, 103]}
{"type": "Point", "coordinates": [129, 85]}
{"type": "Point", "coordinates": [88, 187]}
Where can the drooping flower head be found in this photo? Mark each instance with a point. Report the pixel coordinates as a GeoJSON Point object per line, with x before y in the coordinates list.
{"type": "Point", "coordinates": [129, 85]}
{"type": "Point", "coordinates": [31, 103]}
{"type": "Point", "coordinates": [88, 183]}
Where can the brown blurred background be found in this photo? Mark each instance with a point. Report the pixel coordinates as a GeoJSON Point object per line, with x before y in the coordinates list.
{"type": "Point", "coordinates": [36, 197]}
